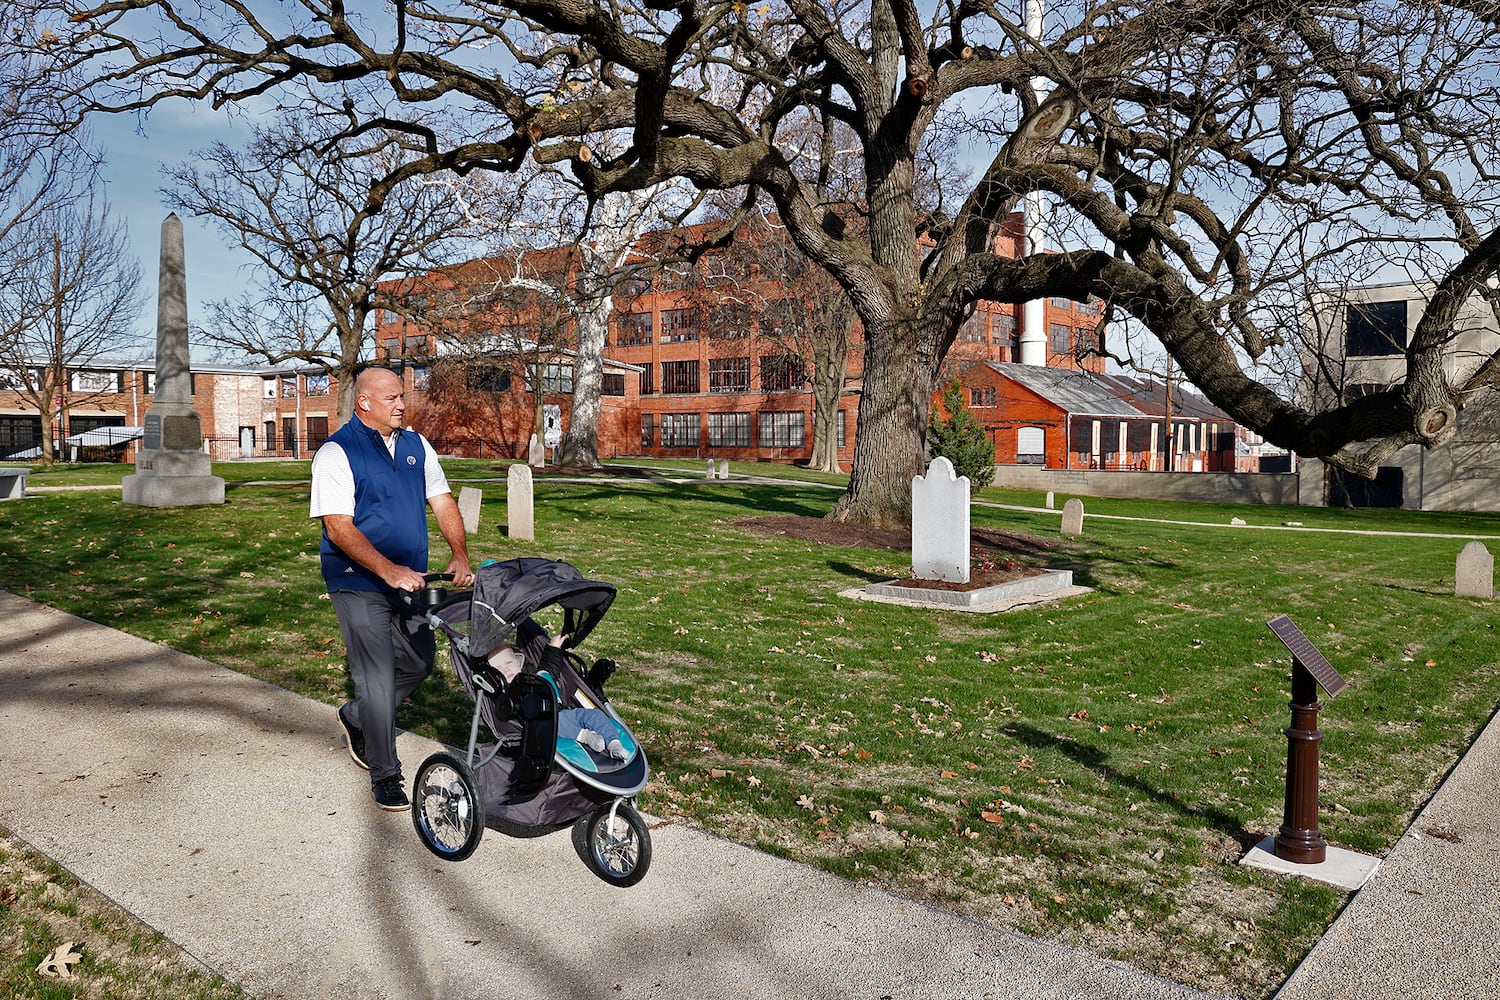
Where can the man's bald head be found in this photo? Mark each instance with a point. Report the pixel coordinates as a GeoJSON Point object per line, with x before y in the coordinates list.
{"type": "Point", "coordinates": [379, 399]}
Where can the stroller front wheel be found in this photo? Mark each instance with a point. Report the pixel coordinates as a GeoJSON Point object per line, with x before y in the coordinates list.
{"type": "Point", "coordinates": [615, 844]}
{"type": "Point", "coordinates": [446, 808]}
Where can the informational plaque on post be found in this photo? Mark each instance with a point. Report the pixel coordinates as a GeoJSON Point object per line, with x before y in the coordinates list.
{"type": "Point", "coordinates": [1314, 662]}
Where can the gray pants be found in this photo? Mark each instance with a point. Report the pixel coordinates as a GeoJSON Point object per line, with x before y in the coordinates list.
{"type": "Point", "coordinates": [390, 653]}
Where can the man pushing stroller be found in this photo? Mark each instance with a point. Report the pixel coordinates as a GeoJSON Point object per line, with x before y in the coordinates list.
{"type": "Point", "coordinates": [371, 484]}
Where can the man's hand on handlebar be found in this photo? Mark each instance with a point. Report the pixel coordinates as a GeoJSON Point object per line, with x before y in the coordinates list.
{"type": "Point", "coordinates": [462, 575]}
{"type": "Point", "coordinates": [405, 578]}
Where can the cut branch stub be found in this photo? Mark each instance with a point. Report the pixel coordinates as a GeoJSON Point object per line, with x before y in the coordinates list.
{"type": "Point", "coordinates": [1437, 423]}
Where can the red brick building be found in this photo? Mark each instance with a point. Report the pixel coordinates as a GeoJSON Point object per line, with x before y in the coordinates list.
{"type": "Point", "coordinates": [693, 368]}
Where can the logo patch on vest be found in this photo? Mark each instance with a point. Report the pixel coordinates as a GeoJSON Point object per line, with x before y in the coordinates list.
{"type": "Point", "coordinates": [411, 460]}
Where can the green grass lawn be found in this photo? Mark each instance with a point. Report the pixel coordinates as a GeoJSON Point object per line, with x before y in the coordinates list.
{"type": "Point", "coordinates": [1089, 771]}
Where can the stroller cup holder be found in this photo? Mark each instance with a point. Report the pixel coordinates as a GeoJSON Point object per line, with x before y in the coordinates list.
{"type": "Point", "coordinates": [431, 596]}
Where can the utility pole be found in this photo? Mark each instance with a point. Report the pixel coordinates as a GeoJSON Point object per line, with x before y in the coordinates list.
{"type": "Point", "coordinates": [1034, 311]}
{"type": "Point", "coordinates": [1167, 464]}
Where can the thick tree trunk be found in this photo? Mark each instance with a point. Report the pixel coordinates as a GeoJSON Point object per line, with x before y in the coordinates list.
{"type": "Point", "coordinates": [893, 414]}
{"type": "Point", "coordinates": [351, 341]}
{"type": "Point", "coordinates": [830, 357]}
{"type": "Point", "coordinates": [580, 444]}
{"type": "Point", "coordinates": [825, 444]}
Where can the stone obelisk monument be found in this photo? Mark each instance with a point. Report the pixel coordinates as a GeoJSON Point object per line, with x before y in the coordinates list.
{"type": "Point", "coordinates": [171, 468]}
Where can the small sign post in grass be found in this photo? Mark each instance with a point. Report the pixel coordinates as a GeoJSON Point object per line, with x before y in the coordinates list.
{"type": "Point", "coordinates": [1300, 840]}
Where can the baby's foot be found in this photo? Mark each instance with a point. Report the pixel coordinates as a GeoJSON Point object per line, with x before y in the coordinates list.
{"type": "Point", "coordinates": [591, 739]}
{"type": "Point", "coordinates": [617, 750]}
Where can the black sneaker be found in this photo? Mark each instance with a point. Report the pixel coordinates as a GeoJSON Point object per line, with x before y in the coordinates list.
{"type": "Point", "coordinates": [390, 796]}
{"type": "Point", "coordinates": [356, 738]}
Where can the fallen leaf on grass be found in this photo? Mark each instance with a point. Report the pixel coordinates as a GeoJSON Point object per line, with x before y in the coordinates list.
{"type": "Point", "coordinates": [806, 802]}
{"type": "Point", "coordinates": [877, 816]}
{"type": "Point", "coordinates": [55, 965]}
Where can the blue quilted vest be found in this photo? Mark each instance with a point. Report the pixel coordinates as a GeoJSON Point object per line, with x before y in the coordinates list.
{"type": "Point", "coordinates": [390, 505]}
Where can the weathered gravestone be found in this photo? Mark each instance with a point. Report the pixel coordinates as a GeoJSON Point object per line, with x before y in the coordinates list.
{"type": "Point", "coordinates": [1051, 501]}
{"type": "Point", "coordinates": [469, 500]}
{"type": "Point", "coordinates": [1474, 573]}
{"type": "Point", "coordinates": [536, 453]}
{"type": "Point", "coordinates": [1072, 521]}
{"type": "Point", "coordinates": [520, 514]}
{"type": "Point", "coordinates": [13, 483]}
{"type": "Point", "coordinates": [724, 469]}
{"type": "Point", "coordinates": [940, 524]}
{"type": "Point", "coordinates": [171, 468]}
{"type": "Point", "coordinates": [709, 472]}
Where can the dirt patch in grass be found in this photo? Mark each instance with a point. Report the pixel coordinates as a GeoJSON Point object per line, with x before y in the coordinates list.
{"type": "Point", "coordinates": [999, 556]}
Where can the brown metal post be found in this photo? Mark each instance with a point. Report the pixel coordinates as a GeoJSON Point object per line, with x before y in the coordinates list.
{"type": "Point", "coordinates": [1300, 841]}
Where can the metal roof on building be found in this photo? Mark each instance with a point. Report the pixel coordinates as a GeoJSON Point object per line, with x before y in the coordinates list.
{"type": "Point", "coordinates": [1150, 396]}
{"type": "Point", "coordinates": [1078, 392]}
{"type": "Point", "coordinates": [99, 437]}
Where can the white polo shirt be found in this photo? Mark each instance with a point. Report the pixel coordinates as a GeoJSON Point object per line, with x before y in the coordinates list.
{"type": "Point", "coordinates": [333, 479]}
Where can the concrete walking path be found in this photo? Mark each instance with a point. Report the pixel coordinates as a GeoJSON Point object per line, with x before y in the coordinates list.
{"type": "Point", "coordinates": [225, 812]}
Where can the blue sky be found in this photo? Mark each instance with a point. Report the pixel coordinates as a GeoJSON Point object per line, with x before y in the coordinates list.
{"type": "Point", "coordinates": [132, 174]}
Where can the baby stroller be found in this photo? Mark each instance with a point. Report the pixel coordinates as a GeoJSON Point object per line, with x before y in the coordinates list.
{"type": "Point", "coordinates": [530, 781]}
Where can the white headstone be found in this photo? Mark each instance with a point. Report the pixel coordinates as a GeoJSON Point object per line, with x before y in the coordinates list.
{"type": "Point", "coordinates": [1238, 522]}
{"type": "Point", "coordinates": [551, 425]}
{"type": "Point", "coordinates": [1073, 517]}
{"type": "Point", "coordinates": [940, 524]}
{"type": "Point", "coordinates": [1051, 501]}
{"type": "Point", "coordinates": [709, 472]}
{"type": "Point", "coordinates": [519, 514]}
{"type": "Point", "coordinates": [536, 453]}
{"type": "Point", "coordinates": [724, 469]}
{"type": "Point", "coordinates": [469, 499]}
{"type": "Point", "coordinates": [1474, 574]}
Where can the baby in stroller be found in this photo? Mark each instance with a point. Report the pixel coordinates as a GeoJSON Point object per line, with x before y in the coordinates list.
{"type": "Point", "coordinates": [588, 727]}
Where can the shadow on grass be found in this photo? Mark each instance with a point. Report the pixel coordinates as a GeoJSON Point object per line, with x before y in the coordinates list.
{"type": "Point", "coordinates": [1096, 760]}
{"type": "Point", "coordinates": [846, 569]}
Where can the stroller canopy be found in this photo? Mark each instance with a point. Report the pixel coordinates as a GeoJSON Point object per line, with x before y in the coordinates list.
{"type": "Point", "coordinates": [507, 593]}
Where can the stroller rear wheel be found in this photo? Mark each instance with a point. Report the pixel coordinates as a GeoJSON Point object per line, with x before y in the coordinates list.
{"type": "Point", "coordinates": [446, 808]}
{"type": "Point", "coordinates": [614, 842]}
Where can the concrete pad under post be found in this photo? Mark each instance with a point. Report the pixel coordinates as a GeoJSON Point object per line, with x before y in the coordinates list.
{"type": "Point", "coordinates": [1345, 869]}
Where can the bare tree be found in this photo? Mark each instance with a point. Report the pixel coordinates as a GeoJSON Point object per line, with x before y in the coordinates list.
{"type": "Point", "coordinates": [552, 281]}
{"type": "Point", "coordinates": [1203, 160]}
{"type": "Point", "coordinates": [298, 198]}
{"type": "Point", "coordinates": [761, 289]}
{"type": "Point", "coordinates": [45, 164]}
{"type": "Point", "coordinates": [73, 301]}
